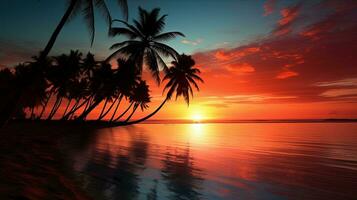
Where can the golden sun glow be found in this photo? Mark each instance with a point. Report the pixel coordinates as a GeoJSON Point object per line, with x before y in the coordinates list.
{"type": "Point", "coordinates": [197, 113]}
{"type": "Point", "coordinates": [197, 117]}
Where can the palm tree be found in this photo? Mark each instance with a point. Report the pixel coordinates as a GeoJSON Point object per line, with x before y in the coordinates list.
{"type": "Point", "coordinates": [125, 79]}
{"type": "Point", "coordinates": [145, 44]}
{"type": "Point", "coordinates": [140, 97]}
{"type": "Point", "coordinates": [180, 77]}
{"type": "Point", "coordinates": [102, 87]}
{"type": "Point", "coordinates": [7, 86]}
{"type": "Point", "coordinates": [62, 76]}
{"type": "Point", "coordinates": [83, 89]}
{"type": "Point", "coordinates": [34, 94]}
{"type": "Point", "coordinates": [87, 8]}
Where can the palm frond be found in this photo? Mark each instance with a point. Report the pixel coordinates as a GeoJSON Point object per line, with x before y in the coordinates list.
{"type": "Point", "coordinates": [160, 24]}
{"type": "Point", "coordinates": [102, 6]}
{"type": "Point", "coordinates": [123, 31]}
{"type": "Point", "coordinates": [165, 50]}
{"type": "Point", "coordinates": [131, 27]}
{"type": "Point", "coordinates": [193, 82]}
{"type": "Point", "coordinates": [168, 36]}
{"type": "Point", "coordinates": [123, 4]}
{"type": "Point", "coordinates": [153, 65]}
{"type": "Point", "coordinates": [89, 19]}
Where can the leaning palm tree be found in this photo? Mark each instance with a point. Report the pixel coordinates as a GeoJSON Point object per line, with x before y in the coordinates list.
{"type": "Point", "coordinates": [36, 94]}
{"type": "Point", "coordinates": [125, 79]}
{"type": "Point", "coordinates": [86, 7]}
{"type": "Point", "coordinates": [180, 77]}
{"type": "Point", "coordinates": [140, 97]}
{"type": "Point", "coordinates": [145, 44]}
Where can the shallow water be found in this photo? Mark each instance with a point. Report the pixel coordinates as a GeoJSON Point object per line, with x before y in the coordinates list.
{"type": "Point", "coordinates": [218, 161]}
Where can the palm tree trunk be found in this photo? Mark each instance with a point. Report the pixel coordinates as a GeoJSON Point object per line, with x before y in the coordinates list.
{"type": "Point", "coordinates": [108, 110]}
{"type": "Point", "coordinates": [116, 108]}
{"type": "Point", "coordinates": [88, 105]}
{"type": "Point", "coordinates": [56, 109]}
{"type": "Point", "coordinates": [86, 112]}
{"type": "Point", "coordinates": [74, 109]}
{"type": "Point", "coordinates": [148, 116]}
{"type": "Point", "coordinates": [116, 119]}
{"type": "Point", "coordinates": [53, 108]}
{"type": "Point", "coordinates": [44, 106]}
{"type": "Point", "coordinates": [58, 29]}
{"type": "Point", "coordinates": [71, 113]}
{"type": "Point", "coordinates": [105, 105]}
{"type": "Point", "coordinates": [68, 104]}
{"type": "Point", "coordinates": [132, 113]}
{"type": "Point", "coordinates": [32, 112]}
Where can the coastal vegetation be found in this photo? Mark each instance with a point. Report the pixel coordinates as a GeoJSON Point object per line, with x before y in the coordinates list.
{"type": "Point", "coordinates": [80, 83]}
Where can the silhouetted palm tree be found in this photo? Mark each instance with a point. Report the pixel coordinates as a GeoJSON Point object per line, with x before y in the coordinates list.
{"type": "Point", "coordinates": [7, 86]}
{"type": "Point", "coordinates": [62, 76]}
{"type": "Point", "coordinates": [145, 44]}
{"type": "Point", "coordinates": [102, 87]}
{"type": "Point", "coordinates": [180, 77]}
{"type": "Point", "coordinates": [86, 7]}
{"type": "Point", "coordinates": [125, 79]}
{"type": "Point", "coordinates": [30, 76]}
{"type": "Point", "coordinates": [140, 96]}
{"type": "Point", "coordinates": [84, 91]}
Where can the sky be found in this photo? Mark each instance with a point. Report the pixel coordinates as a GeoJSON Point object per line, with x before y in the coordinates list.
{"type": "Point", "coordinates": [268, 59]}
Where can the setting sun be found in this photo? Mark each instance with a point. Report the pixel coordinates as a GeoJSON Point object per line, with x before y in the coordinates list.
{"type": "Point", "coordinates": [197, 117]}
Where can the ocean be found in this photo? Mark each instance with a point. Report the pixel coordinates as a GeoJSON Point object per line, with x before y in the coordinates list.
{"type": "Point", "coordinates": [217, 161]}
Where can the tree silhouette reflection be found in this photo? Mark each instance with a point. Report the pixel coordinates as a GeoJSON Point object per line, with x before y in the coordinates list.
{"type": "Point", "coordinates": [109, 175]}
{"type": "Point", "coordinates": [182, 177]}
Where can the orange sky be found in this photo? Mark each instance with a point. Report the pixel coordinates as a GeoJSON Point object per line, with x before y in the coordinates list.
{"type": "Point", "coordinates": [305, 67]}
{"type": "Point", "coordinates": [294, 72]}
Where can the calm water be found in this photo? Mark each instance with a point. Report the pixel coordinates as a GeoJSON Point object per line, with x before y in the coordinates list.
{"type": "Point", "coordinates": [218, 161]}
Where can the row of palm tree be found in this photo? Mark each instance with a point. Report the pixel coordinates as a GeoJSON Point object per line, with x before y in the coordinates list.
{"type": "Point", "coordinates": [82, 84]}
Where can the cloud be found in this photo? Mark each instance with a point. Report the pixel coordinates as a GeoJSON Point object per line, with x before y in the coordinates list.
{"type": "Point", "coordinates": [227, 100]}
{"type": "Point", "coordinates": [286, 74]}
{"type": "Point", "coordinates": [240, 68]}
{"type": "Point", "coordinates": [239, 53]}
{"type": "Point", "coordinates": [221, 55]}
{"type": "Point", "coordinates": [289, 65]}
{"type": "Point", "coordinates": [215, 104]}
{"type": "Point", "coordinates": [342, 82]}
{"type": "Point", "coordinates": [340, 92]}
{"type": "Point", "coordinates": [289, 16]}
{"type": "Point", "coordinates": [256, 97]}
{"type": "Point", "coordinates": [269, 7]}
{"type": "Point", "coordinates": [192, 42]}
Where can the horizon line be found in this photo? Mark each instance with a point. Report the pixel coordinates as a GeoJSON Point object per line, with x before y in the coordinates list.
{"type": "Point", "coordinates": [204, 121]}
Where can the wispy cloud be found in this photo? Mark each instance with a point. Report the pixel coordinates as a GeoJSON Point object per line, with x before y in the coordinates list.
{"type": "Point", "coordinates": [340, 92]}
{"type": "Point", "coordinates": [286, 74]}
{"type": "Point", "coordinates": [192, 42]}
{"type": "Point", "coordinates": [240, 68]}
{"type": "Point", "coordinates": [269, 7]}
{"type": "Point", "coordinates": [338, 83]}
{"type": "Point", "coordinates": [288, 17]}
{"type": "Point", "coordinates": [291, 64]}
